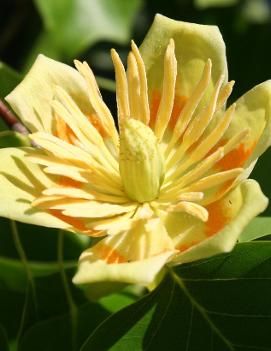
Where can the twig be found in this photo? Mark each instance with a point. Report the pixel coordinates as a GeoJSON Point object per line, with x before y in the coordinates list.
{"type": "Point", "coordinates": [11, 120]}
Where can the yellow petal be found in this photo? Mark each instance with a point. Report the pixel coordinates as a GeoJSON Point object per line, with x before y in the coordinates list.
{"type": "Point", "coordinates": [227, 219]}
{"type": "Point", "coordinates": [31, 98]}
{"type": "Point", "coordinates": [194, 45]}
{"type": "Point", "coordinates": [253, 114]}
{"type": "Point", "coordinates": [133, 257]}
{"type": "Point", "coordinates": [21, 182]}
{"type": "Point", "coordinates": [139, 272]}
{"type": "Point", "coordinates": [92, 209]}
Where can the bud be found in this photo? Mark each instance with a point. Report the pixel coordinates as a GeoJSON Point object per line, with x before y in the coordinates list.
{"type": "Point", "coordinates": [141, 163]}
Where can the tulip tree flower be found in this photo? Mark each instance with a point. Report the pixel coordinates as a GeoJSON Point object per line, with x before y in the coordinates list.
{"type": "Point", "coordinates": [171, 186]}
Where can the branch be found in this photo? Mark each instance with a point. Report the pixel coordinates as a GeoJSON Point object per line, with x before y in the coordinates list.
{"type": "Point", "coordinates": [11, 120]}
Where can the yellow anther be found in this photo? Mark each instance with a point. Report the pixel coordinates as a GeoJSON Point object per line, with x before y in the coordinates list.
{"type": "Point", "coordinates": [121, 87]}
{"type": "Point", "coordinates": [191, 208]}
{"type": "Point", "coordinates": [143, 84]}
{"type": "Point", "coordinates": [191, 105]}
{"type": "Point", "coordinates": [134, 87]}
{"type": "Point", "coordinates": [168, 93]}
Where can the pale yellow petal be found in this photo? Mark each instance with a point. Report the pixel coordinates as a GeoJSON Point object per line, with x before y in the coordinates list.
{"type": "Point", "coordinates": [21, 182]}
{"type": "Point", "coordinates": [31, 99]}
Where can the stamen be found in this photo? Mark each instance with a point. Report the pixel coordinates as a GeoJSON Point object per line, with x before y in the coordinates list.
{"type": "Point", "coordinates": [202, 120]}
{"type": "Point", "coordinates": [143, 84]}
{"type": "Point", "coordinates": [207, 143]}
{"type": "Point", "coordinates": [96, 101]}
{"type": "Point", "coordinates": [134, 88]}
{"type": "Point", "coordinates": [69, 192]}
{"type": "Point", "coordinates": [235, 141]}
{"type": "Point", "coordinates": [192, 196]}
{"type": "Point", "coordinates": [46, 202]}
{"type": "Point", "coordinates": [203, 167]}
{"type": "Point", "coordinates": [191, 105]}
{"type": "Point", "coordinates": [191, 208]}
{"type": "Point", "coordinates": [113, 225]}
{"type": "Point", "coordinates": [76, 114]}
{"type": "Point", "coordinates": [66, 171]}
{"type": "Point", "coordinates": [99, 152]}
{"type": "Point", "coordinates": [72, 153]}
{"type": "Point", "coordinates": [167, 99]}
{"type": "Point", "coordinates": [121, 87]}
{"type": "Point", "coordinates": [214, 180]}
{"type": "Point", "coordinates": [92, 209]}
{"type": "Point", "coordinates": [198, 125]}
{"type": "Point", "coordinates": [84, 194]}
{"type": "Point", "coordinates": [225, 92]}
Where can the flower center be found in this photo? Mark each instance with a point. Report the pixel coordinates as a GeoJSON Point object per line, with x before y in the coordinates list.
{"type": "Point", "coordinates": [141, 163]}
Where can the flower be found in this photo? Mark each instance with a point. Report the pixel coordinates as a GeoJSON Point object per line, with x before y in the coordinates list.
{"type": "Point", "coordinates": [171, 186]}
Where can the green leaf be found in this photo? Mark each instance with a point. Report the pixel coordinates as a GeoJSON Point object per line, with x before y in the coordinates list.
{"type": "Point", "coordinates": [71, 26]}
{"type": "Point", "coordinates": [8, 79]}
{"type": "Point", "coordinates": [13, 139]}
{"type": "Point", "coordinates": [222, 303]}
{"type": "Point", "coordinates": [14, 277]}
{"type": "Point", "coordinates": [40, 247]}
{"type": "Point", "coordinates": [11, 307]}
{"type": "Point", "coordinates": [3, 339]}
{"type": "Point", "coordinates": [55, 334]}
{"type": "Point", "coordinates": [40, 243]}
{"type": "Point", "coordinates": [257, 228]}
{"type": "Point", "coordinates": [203, 4]}
{"type": "Point", "coordinates": [115, 302]}
{"type": "Point", "coordinates": [20, 310]}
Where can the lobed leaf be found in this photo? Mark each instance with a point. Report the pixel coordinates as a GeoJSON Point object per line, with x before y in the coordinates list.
{"type": "Point", "coordinates": [222, 303]}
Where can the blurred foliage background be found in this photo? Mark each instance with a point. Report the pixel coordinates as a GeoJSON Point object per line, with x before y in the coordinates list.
{"type": "Point", "coordinates": [87, 29]}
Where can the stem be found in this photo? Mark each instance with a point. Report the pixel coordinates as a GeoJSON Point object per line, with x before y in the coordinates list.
{"type": "Point", "coordinates": [72, 306]}
{"type": "Point", "coordinates": [11, 120]}
{"type": "Point", "coordinates": [30, 280]}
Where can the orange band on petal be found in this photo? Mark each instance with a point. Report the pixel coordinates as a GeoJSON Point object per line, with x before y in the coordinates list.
{"type": "Point", "coordinates": [217, 218]}
{"type": "Point", "coordinates": [155, 101]}
{"type": "Point", "coordinates": [97, 124]}
{"type": "Point", "coordinates": [179, 103]}
{"type": "Point", "coordinates": [235, 158]}
{"type": "Point", "coordinates": [63, 131]}
{"type": "Point", "coordinates": [108, 254]}
{"type": "Point", "coordinates": [76, 223]}
{"type": "Point", "coordinates": [68, 182]}
{"type": "Point", "coordinates": [184, 247]}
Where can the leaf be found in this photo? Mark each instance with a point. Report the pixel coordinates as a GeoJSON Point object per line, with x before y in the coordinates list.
{"type": "Point", "coordinates": [3, 339]}
{"type": "Point", "coordinates": [39, 244]}
{"type": "Point", "coordinates": [13, 139]}
{"type": "Point", "coordinates": [13, 275]}
{"type": "Point", "coordinates": [71, 26]}
{"type": "Point", "coordinates": [115, 302]}
{"type": "Point", "coordinates": [55, 334]}
{"type": "Point", "coordinates": [222, 303]}
{"type": "Point", "coordinates": [203, 4]}
{"type": "Point", "coordinates": [11, 307]}
{"type": "Point", "coordinates": [257, 228]}
{"type": "Point", "coordinates": [8, 79]}
{"type": "Point", "coordinates": [23, 309]}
